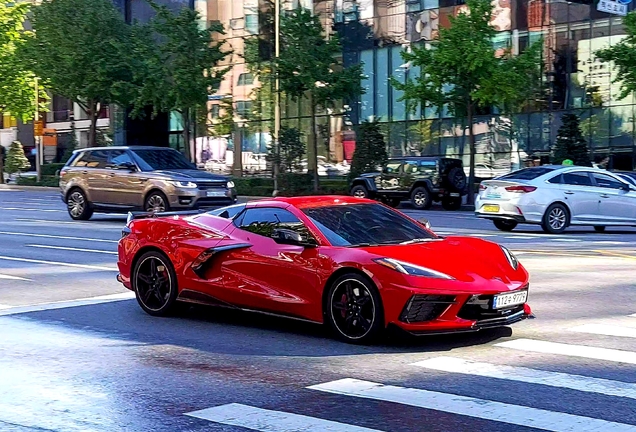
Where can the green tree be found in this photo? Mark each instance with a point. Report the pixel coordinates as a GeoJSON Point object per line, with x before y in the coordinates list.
{"type": "Point", "coordinates": [310, 67]}
{"type": "Point", "coordinates": [623, 55]}
{"type": "Point", "coordinates": [570, 143]}
{"type": "Point", "coordinates": [72, 143]}
{"type": "Point", "coordinates": [370, 149]}
{"type": "Point", "coordinates": [17, 83]}
{"type": "Point", "coordinates": [16, 160]}
{"type": "Point", "coordinates": [291, 150]}
{"type": "Point", "coordinates": [224, 124]}
{"type": "Point", "coordinates": [79, 48]}
{"type": "Point", "coordinates": [462, 71]}
{"type": "Point", "coordinates": [179, 64]}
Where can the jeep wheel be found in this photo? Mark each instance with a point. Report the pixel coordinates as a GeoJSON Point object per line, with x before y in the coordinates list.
{"type": "Point", "coordinates": [452, 203]}
{"type": "Point", "coordinates": [421, 198]}
{"type": "Point", "coordinates": [360, 191]}
{"type": "Point", "coordinates": [391, 202]}
{"type": "Point", "coordinates": [457, 178]}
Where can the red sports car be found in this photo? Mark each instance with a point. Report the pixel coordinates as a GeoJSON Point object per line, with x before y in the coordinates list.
{"type": "Point", "coordinates": [354, 264]}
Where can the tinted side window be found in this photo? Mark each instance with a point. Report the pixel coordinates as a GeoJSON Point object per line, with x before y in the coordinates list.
{"type": "Point", "coordinates": [556, 179]}
{"type": "Point", "coordinates": [410, 167]}
{"type": "Point", "coordinates": [93, 159]}
{"type": "Point", "coordinates": [263, 221]}
{"type": "Point", "coordinates": [577, 179]}
{"type": "Point", "coordinates": [392, 167]}
{"type": "Point", "coordinates": [119, 158]}
{"type": "Point", "coordinates": [527, 173]}
{"type": "Point", "coordinates": [605, 181]}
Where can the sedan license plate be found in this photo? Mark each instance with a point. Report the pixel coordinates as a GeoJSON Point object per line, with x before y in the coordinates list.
{"type": "Point", "coordinates": [509, 299]}
{"type": "Point", "coordinates": [491, 208]}
{"type": "Point", "coordinates": [454, 194]}
{"type": "Point", "coordinates": [214, 193]}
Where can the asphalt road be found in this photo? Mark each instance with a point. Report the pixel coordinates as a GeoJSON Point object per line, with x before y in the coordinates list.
{"type": "Point", "coordinates": [77, 353]}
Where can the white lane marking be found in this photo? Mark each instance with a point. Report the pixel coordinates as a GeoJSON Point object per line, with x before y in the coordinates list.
{"type": "Point", "coordinates": [472, 407]}
{"type": "Point", "coordinates": [531, 376]}
{"type": "Point", "coordinates": [33, 209]}
{"type": "Point", "coordinates": [13, 310]}
{"type": "Point", "coordinates": [519, 237]}
{"type": "Point", "coordinates": [5, 306]}
{"type": "Point", "coordinates": [481, 235]}
{"type": "Point", "coordinates": [72, 249]}
{"type": "Point", "coordinates": [259, 419]}
{"type": "Point", "coordinates": [606, 330]}
{"type": "Point", "coordinates": [606, 354]}
{"type": "Point", "coordinates": [92, 225]}
{"type": "Point", "coordinates": [9, 277]}
{"type": "Point", "coordinates": [56, 263]}
{"type": "Point", "coordinates": [57, 237]}
{"type": "Point", "coordinates": [564, 240]}
{"type": "Point", "coordinates": [608, 242]}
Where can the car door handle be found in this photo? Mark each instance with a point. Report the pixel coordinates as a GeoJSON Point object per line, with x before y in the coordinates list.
{"type": "Point", "coordinates": [84, 172]}
{"type": "Point", "coordinates": [569, 193]}
{"type": "Point", "coordinates": [605, 196]}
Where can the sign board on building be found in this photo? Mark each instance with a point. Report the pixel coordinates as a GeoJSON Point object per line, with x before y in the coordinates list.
{"type": "Point", "coordinates": [38, 128]}
{"type": "Point", "coordinates": [49, 138]}
{"type": "Point", "coordinates": [613, 7]}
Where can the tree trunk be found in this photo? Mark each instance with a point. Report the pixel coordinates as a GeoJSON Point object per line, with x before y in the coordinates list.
{"type": "Point", "coordinates": [1, 166]}
{"type": "Point", "coordinates": [92, 111]}
{"type": "Point", "coordinates": [312, 149]}
{"type": "Point", "coordinates": [186, 132]}
{"type": "Point", "coordinates": [471, 144]}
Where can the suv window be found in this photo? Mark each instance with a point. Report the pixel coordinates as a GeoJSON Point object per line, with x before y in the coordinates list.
{"type": "Point", "coordinates": [577, 179]}
{"type": "Point", "coordinates": [527, 173]}
{"type": "Point", "coordinates": [605, 181]}
{"type": "Point", "coordinates": [393, 167]}
{"type": "Point", "coordinates": [119, 158]}
{"type": "Point", "coordinates": [93, 159]}
{"type": "Point", "coordinates": [161, 159]}
{"type": "Point", "coordinates": [411, 167]}
{"type": "Point", "coordinates": [264, 220]}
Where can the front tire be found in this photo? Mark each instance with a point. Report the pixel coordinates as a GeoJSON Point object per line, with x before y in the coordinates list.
{"type": "Point", "coordinates": [78, 206]}
{"type": "Point", "coordinates": [360, 191]}
{"type": "Point", "coordinates": [505, 225]}
{"type": "Point", "coordinates": [155, 284]}
{"type": "Point", "coordinates": [556, 219]}
{"type": "Point", "coordinates": [156, 202]}
{"type": "Point", "coordinates": [354, 309]}
{"type": "Point", "coordinates": [421, 198]}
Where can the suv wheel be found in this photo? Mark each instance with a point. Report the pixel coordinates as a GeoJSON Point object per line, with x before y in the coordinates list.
{"type": "Point", "coordinates": [156, 202]}
{"type": "Point", "coordinates": [79, 208]}
{"type": "Point", "coordinates": [457, 178]}
{"type": "Point", "coordinates": [452, 203]}
{"type": "Point", "coordinates": [505, 225]}
{"type": "Point", "coordinates": [421, 198]}
{"type": "Point", "coordinates": [360, 191]}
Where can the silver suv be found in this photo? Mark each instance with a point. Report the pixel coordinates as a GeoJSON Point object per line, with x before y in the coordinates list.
{"type": "Point", "coordinates": [121, 179]}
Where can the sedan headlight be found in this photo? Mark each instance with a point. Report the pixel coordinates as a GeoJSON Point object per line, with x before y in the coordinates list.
{"type": "Point", "coordinates": [411, 269]}
{"type": "Point", "coordinates": [230, 184]}
{"type": "Point", "coordinates": [512, 259]}
{"type": "Point", "coordinates": [184, 184]}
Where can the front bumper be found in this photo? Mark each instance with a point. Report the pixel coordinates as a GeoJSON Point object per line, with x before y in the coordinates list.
{"type": "Point", "coordinates": [183, 198]}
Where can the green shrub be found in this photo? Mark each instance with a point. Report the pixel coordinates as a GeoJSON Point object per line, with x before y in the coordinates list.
{"type": "Point", "coordinates": [51, 168]}
{"type": "Point", "coordinates": [48, 181]}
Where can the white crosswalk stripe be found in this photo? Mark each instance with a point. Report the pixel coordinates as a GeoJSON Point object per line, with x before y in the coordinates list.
{"type": "Point", "coordinates": [531, 376]}
{"type": "Point", "coordinates": [271, 421]}
{"type": "Point", "coordinates": [606, 330]}
{"type": "Point", "coordinates": [472, 407]}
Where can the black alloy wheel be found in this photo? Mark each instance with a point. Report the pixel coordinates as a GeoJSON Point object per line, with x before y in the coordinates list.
{"type": "Point", "coordinates": [78, 206]}
{"type": "Point", "coordinates": [360, 191]}
{"type": "Point", "coordinates": [556, 219]}
{"type": "Point", "coordinates": [421, 198]}
{"type": "Point", "coordinates": [354, 309]}
{"type": "Point", "coordinates": [157, 202]}
{"type": "Point", "coordinates": [505, 225]}
{"type": "Point", "coordinates": [155, 284]}
{"type": "Point", "coordinates": [457, 178]}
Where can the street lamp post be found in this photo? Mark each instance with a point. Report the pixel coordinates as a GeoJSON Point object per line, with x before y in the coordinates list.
{"type": "Point", "coordinates": [36, 135]}
{"type": "Point", "coordinates": [276, 95]}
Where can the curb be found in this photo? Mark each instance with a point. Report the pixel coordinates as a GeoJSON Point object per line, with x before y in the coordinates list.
{"type": "Point", "coordinates": [18, 188]}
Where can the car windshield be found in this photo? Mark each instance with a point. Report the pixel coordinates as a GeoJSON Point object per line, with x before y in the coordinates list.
{"type": "Point", "coordinates": [527, 173]}
{"type": "Point", "coordinates": [630, 178]}
{"type": "Point", "coordinates": [160, 159]}
{"type": "Point", "coordinates": [365, 225]}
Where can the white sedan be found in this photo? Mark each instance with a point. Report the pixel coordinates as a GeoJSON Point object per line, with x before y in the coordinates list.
{"type": "Point", "coordinates": [556, 197]}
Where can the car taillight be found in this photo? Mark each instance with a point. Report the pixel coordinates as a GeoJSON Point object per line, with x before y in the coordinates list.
{"type": "Point", "coordinates": [482, 187]}
{"type": "Point", "coordinates": [521, 189]}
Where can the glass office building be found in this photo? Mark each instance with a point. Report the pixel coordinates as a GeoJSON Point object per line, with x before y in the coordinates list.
{"type": "Point", "coordinates": [375, 32]}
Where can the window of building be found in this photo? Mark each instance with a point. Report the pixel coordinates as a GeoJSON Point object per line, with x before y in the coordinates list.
{"type": "Point", "coordinates": [215, 111]}
{"type": "Point", "coordinates": [245, 79]}
{"type": "Point", "coordinates": [243, 108]}
{"type": "Point", "coordinates": [251, 23]}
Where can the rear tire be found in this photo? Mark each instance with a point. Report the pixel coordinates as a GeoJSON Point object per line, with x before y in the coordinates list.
{"type": "Point", "coordinates": [457, 178]}
{"type": "Point", "coordinates": [556, 219]}
{"type": "Point", "coordinates": [421, 198]}
{"type": "Point", "coordinates": [359, 191]}
{"type": "Point", "coordinates": [452, 204]}
{"type": "Point", "coordinates": [155, 284]}
{"type": "Point", "coordinates": [353, 309]}
{"type": "Point", "coordinates": [599, 229]}
{"type": "Point", "coordinates": [78, 206]}
{"type": "Point", "coordinates": [505, 225]}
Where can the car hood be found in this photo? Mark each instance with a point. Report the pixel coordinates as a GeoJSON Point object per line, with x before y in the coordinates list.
{"type": "Point", "coordinates": [463, 258]}
{"type": "Point", "coordinates": [190, 174]}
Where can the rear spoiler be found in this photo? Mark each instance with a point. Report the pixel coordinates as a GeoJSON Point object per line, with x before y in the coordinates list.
{"type": "Point", "coordinates": [147, 215]}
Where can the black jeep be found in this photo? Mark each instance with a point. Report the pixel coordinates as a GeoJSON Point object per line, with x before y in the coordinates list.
{"type": "Point", "coordinates": [423, 180]}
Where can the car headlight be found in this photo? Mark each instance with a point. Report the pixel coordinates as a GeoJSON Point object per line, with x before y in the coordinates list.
{"type": "Point", "coordinates": [411, 269]}
{"type": "Point", "coordinates": [512, 259]}
{"type": "Point", "coordinates": [184, 184]}
{"type": "Point", "coordinates": [230, 184]}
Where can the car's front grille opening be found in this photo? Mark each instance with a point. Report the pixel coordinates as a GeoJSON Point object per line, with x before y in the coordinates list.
{"type": "Point", "coordinates": [211, 185]}
{"type": "Point", "coordinates": [479, 307]}
{"type": "Point", "coordinates": [421, 307]}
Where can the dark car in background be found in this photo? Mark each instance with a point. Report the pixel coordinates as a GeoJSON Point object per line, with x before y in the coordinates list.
{"type": "Point", "coordinates": [121, 179]}
{"type": "Point", "coordinates": [422, 180]}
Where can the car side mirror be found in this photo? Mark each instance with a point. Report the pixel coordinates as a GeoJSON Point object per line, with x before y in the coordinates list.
{"type": "Point", "coordinates": [289, 237]}
{"type": "Point", "coordinates": [626, 187]}
{"type": "Point", "coordinates": [127, 166]}
{"type": "Point", "coordinates": [425, 222]}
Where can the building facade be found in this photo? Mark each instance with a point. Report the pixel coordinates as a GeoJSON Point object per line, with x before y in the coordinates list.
{"type": "Point", "coordinates": [375, 32]}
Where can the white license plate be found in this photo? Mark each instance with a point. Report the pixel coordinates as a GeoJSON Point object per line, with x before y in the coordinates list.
{"type": "Point", "coordinates": [509, 299]}
{"type": "Point", "coordinates": [455, 194]}
{"type": "Point", "coordinates": [214, 193]}
{"type": "Point", "coordinates": [493, 195]}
